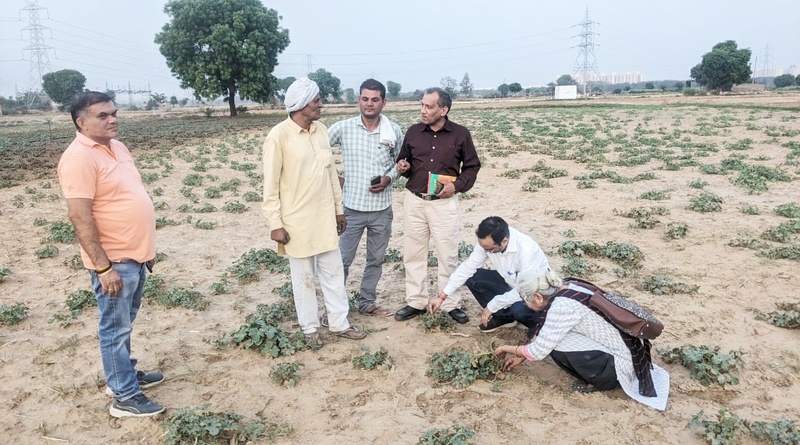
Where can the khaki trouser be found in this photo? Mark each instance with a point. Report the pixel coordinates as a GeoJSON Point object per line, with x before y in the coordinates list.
{"type": "Point", "coordinates": [423, 222]}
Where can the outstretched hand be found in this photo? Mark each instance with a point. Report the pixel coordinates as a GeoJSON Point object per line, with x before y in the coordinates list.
{"type": "Point", "coordinates": [511, 362]}
{"type": "Point", "coordinates": [435, 303]}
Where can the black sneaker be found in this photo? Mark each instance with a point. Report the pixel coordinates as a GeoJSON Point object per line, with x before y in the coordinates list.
{"type": "Point", "coordinates": [137, 406]}
{"type": "Point", "coordinates": [494, 325]}
{"type": "Point", "coordinates": [145, 380]}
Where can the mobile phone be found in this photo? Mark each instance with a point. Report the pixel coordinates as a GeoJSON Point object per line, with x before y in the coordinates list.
{"type": "Point", "coordinates": [375, 180]}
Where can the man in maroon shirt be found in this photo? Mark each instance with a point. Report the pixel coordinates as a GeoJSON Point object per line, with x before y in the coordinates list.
{"type": "Point", "coordinates": [434, 146]}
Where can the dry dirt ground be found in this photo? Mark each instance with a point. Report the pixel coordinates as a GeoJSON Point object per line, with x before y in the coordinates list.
{"type": "Point", "coordinates": [52, 389]}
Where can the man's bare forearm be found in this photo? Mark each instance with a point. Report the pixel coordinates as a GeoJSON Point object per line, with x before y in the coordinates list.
{"type": "Point", "coordinates": [80, 213]}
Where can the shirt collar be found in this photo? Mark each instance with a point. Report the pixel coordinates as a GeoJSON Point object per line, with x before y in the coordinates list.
{"type": "Point", "coordinates": [448, 126]}
{"type": "Point", "coordinates": [89, 142]}
{"type": "Point", "coordinates": [512, 241]}
{"type": "Point", "coordinates": [298, 129]}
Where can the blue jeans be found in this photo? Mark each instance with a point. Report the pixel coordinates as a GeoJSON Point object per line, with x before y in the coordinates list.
{"type": "Point", "coordinates": [115, 326]}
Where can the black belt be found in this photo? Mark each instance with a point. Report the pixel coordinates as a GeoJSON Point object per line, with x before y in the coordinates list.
{"type": "Point", "coordinates": [426, 197]}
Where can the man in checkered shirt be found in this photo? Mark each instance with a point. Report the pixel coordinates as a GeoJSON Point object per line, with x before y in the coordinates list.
{"type": "Point", "coordinates": [370, 143]}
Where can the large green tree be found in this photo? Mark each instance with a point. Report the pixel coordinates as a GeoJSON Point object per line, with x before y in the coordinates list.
{"type": "Point", "coordinates": [329, 85]}
{"type": "Point", "coordinates": [514, 87]}
{"type": "Point", "coordinates": [393, 88]}
{"type": "Point", "coordinates": [565, 79]}
{"type": "Point", "coordinates": [223, 47]}
{"type": "Point", "coordinates": [723, 67]}
{"type": "Point", "coordinates": [466, 86]}
{"type": "Point", "coordinates": [450, 85]}
{"type": "Point", "coordinates": [61, 86]}
{"type": "Point", "coordinates": [503, 89]}
{"type": "Point", "coordinates": [784, 80]}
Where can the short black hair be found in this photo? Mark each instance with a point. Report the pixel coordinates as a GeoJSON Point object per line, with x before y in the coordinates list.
{"type": "Point", "coordinates": [373, 85]}
{"type": "Point", "coordinates": [84, 100]}
{"type": "Point", "coordinates": [444, 97]}
{"type": "Point", "coordinates": [495, 226]}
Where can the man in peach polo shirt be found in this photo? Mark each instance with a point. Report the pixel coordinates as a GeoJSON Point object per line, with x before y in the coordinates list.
{"type": "Point", "coordinates": [114, 222]}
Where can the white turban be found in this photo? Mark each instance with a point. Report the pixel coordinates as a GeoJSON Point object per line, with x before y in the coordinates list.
{"type": "Point", "coordinates": [300, 93]}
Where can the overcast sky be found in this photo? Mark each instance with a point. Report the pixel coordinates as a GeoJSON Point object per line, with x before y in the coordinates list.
{"type": "Point", "coordinates": [414, 42]}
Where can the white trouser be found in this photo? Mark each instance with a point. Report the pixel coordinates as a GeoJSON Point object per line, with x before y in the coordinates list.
{"type": "Point", "coordinates": [326, 266]}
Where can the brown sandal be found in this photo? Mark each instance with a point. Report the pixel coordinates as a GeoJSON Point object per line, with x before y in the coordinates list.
{"type": "Point", "coordinates": [376, 311]}
{"type": "Point", "coordinates": [353, 333]}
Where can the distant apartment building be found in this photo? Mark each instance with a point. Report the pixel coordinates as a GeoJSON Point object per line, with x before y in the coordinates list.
{"type": "Point", "coordinates": [773, 72]}
{"type": "Point", "coordinates": [614, 77]}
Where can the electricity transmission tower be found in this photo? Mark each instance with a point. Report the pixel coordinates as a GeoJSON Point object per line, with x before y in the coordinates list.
{"type": "Point", "coordinates": [40, 61]}
{"type": "Point", "coordinates": [586, 63]}
{"type": "Point", "coordinates": [767, 70]}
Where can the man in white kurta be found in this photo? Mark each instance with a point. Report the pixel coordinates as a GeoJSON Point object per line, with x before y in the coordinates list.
{"type": "Point", "coordinates": [303, 205]}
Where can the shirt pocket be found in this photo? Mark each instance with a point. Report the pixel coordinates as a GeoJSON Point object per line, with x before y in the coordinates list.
{"type": "Point", "coordinates": [324, 157]}
{"type": "Point", "coordinates": [383, 158]}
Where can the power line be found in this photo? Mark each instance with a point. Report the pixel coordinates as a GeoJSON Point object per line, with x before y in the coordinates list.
{"type": "Point", "coordinates": [436, 49]}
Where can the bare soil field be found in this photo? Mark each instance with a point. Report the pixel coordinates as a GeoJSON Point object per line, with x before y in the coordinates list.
{"type": "Point", "coordinates": [689, 194]}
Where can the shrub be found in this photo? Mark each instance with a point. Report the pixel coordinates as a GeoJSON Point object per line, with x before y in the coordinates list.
{"type": "Point", "coordinates": [198, 426]}
{"type": "Point", "coordinates": [76, 302]}
{"type": "Point", "coordinates": [706, 202]}
{"type": "Point", "coordinates": [193, 179]}
{"type": "Point", "coordinates": [178, 296]}
{"type": "Point", "coordinates": [234, 207]}
{"type": "Point", "coordinates": [285, 374]}
{"type": "Point", "coordinates": [438, 320]}
{"type": "Point", "coordinates": [754, 178]}
{"type": "Point", "coordinates": [788, 317]}
{"type": "Point", "coordinates": [707, 364]}
{"type": "Point", "coordinates": [4, 272]}
{"type": "Point", "coordinates": [698, 184]}
{"type": "Point", "coordinates": [60, 232]}
{"type": "Point", "coordinates": [261, 333]}
{"type": "Point", "coordinates": [204, 225]}
{"type": "Point", "coordinates": [655, 195]}
{"type": "Point", "coordinates": [11, 314]}
{"type": "Point", "coordinates": [163, 221]}
{"type": "Point", "coordinates": [246, 268]}
{"type": "Point", "coordinates": [455, 435]}
{"type": "Point", "coordinates": [751, 210]}
{"type": "Point", "coordinates": [213, 192]}
{"type": "Point", "coordinates": [535, 183]}
{"type": "Point", "coordinates": [380, 359]}
{"type": "Point", "coordinates": [722, 431]}
{"type": "Point", "coordinates": [461, 369]}
{"type": "Point", "coordinates": [568, 214]}
{"type": "Point", "coordinates": [206, 208]}
{"type": "Point", "coordinates": [251, 197]}
{"type": "Point", "coordinates": [779, 432]}
{"type": "Point", "coordinates": [664, 284]}
{"type": "Point", "coordinates": [46, 252]}
{"type": "Point", "coordinates": [393, 255]}
{"type": "Point", "coordinates": [676, 230]}
{"type": "Point", "coordinates": [578, 267]}
{"type": "Point", "coordinates": [783, 233]}
{"type": "Point", "coordinates": [789, 210]}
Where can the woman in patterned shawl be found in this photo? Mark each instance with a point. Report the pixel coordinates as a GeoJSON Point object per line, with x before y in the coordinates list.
{"type": "Point", "coordinates": [583, 342]}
